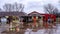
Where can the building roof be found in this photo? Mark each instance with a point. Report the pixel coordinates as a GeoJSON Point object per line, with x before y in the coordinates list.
{"type": "Point", "coordinates": [13, 14]}
{"type": "Point", "coordinates": [34, 13]}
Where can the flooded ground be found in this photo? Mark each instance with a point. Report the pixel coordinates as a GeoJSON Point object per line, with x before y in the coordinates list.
{"type": "Point", "coordinates": [55, 30]}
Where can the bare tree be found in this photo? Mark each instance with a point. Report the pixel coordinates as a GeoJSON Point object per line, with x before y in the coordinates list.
{"type": "Point", "coordinates": [21, 7]}
{"type": "Point", "coordinates": [7, 7]}
{"type": "Point", "coordinates": [13, 7]}
{"type": "Point", "coordinates": [50, 9]}
{"type": "Point", "coordinates": [18, 7]}
{"type": "Point", "coordinates": [0, 9]}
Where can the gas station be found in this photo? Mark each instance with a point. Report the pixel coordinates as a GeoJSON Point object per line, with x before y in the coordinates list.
{"type": "Point", "coordinates": [17, 20]}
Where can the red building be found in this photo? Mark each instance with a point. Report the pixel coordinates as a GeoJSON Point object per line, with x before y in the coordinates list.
{"type": "Point", "coordinates": [36, 16]}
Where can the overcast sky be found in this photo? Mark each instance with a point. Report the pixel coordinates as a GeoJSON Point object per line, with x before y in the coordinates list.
{"type": "Point", "coordinates": [32, 5]}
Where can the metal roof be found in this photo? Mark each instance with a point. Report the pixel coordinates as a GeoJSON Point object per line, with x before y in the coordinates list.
{"type": "Point", "coordinates": [13, 14]}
